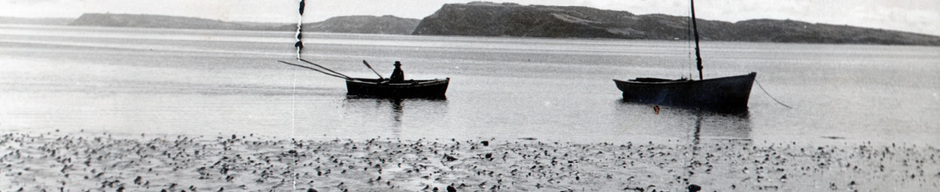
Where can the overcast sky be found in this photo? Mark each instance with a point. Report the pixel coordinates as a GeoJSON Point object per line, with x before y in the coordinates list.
{"type": "Point", "coordinates": [921, 16]}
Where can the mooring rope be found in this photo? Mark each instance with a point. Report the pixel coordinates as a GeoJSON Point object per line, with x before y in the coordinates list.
{"type": "Point", "coordinates": [771, 97]}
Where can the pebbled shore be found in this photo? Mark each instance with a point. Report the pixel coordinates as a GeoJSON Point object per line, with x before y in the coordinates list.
{"type": "Point", "coordinates": [102, 162]}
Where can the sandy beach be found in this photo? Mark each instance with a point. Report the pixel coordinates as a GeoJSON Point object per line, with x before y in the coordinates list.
{"type": "Point", "coordinates": [104, 162]}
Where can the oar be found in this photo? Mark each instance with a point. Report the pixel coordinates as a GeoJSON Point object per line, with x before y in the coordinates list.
{"type": "Point", "coordinates": [311, 68]}
{"type": "Point", "coordinates": [373, 70]}
{"type": "Point", "coordinates": [327, 69]}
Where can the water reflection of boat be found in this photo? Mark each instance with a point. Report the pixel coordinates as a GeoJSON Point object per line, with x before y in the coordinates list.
{"type": "Point", "coordinates": [722, 126]}
{"type": "Point", "coordinates": [715, 127]}
{"type": "Point", "coordinates": [680, 123]}
{"type": "Point", "coordinates": [725, 94]}
{"type": "Point", "coordinates": [393, 114]}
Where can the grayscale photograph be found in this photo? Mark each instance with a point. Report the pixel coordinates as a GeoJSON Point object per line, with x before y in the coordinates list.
{"type": "Point", "coordinates": [466, 95]}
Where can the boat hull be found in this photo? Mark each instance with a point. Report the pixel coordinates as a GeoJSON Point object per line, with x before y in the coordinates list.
{"type": "Point", "coordinates": [726, 94]}
{"type": "Point", "coordinates": [432, 88]}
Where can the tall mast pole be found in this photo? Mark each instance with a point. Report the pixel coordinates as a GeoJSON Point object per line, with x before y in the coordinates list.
{"type": "Point", "coordinates": [698, 54]}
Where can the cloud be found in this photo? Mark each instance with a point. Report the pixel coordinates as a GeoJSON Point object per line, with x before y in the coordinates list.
{"type": "Point", "coordinates": [15, 2]}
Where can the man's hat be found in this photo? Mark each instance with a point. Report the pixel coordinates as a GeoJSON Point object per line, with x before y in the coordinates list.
{"type": "Point", "coordinates": [397, 63]}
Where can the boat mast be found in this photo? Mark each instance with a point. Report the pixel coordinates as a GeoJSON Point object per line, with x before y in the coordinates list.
{"type": "Point", "coordinates": [698, 54]}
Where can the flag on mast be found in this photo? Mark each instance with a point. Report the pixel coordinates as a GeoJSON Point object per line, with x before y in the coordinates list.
{"type": "Point", "coordinates": [300, 44]}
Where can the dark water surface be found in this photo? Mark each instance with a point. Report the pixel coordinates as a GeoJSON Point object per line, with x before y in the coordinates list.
{"type": "Point", "coordinates": [159, 81]}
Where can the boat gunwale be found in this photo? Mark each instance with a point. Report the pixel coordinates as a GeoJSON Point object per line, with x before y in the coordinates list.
{"type": "Point", "coordinates": [679, 81]}
{"type": "Point", "coordinates": [411, 82]}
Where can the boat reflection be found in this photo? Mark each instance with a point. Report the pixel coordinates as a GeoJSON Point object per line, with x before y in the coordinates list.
{"type": "Point", "coordinates": [397, 115]}
{"type": "Point", "coordinates": [665, 122]}
{"type": "Point", "coordinates": [711, 129]}
{"type": "Point", "coordinates": [722, 126]}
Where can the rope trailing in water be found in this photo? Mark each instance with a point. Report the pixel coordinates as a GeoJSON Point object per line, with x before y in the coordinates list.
{"type": "Point", "coordinates": [771, 97]}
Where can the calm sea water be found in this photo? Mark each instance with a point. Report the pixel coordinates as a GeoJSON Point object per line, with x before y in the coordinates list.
{"type": "Point", "coordinates": [161, 81]}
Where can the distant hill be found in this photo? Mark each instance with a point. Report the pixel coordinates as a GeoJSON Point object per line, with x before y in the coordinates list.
{"type": "Point", "coordinates": [508, 19]}
{"type": "Point", "coordinates": [162, 21]}
{"type": "Point", "coordinates": [342, 24]}
{"type": "Point", "coordinates": [361, 24]}
{"type": "Point", "coordinates": [36, 21]}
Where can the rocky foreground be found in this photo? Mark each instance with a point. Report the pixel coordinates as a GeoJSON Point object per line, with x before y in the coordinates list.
{"type": "Point", "coordinates": [102, 162]}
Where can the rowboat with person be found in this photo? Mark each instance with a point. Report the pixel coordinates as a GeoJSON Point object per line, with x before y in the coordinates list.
{"type": "Point", "coordinates": [396, 87]}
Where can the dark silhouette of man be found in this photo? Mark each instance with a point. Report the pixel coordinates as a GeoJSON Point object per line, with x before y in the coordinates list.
{"type": "Point", "coordinates": [398, 75]}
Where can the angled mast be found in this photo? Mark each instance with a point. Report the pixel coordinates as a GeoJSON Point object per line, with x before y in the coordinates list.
{"type": "Point", "coordinates": [698, 54]}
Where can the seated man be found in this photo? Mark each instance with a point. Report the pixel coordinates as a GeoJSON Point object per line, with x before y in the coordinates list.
{"type": "Point", "coordinates": [398, 75]}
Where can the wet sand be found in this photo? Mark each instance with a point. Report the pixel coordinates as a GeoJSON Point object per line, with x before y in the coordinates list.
{"type": "Point", "coordinates": [103, 162]}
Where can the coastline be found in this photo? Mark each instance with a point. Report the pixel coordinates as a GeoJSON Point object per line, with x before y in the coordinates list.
{"type": "Point", "coordinates": [87, 161]}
